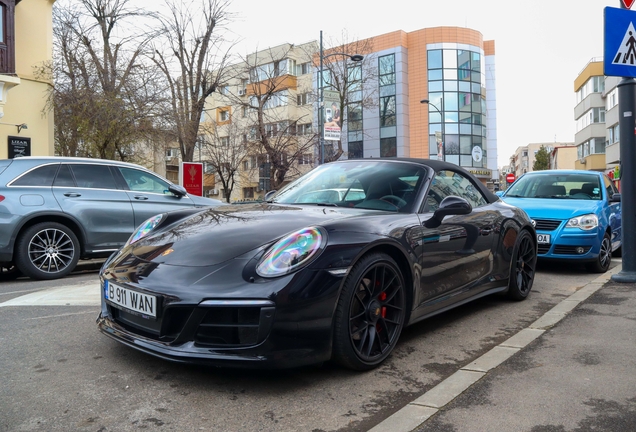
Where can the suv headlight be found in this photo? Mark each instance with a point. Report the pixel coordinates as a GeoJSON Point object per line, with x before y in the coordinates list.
{"type": "Point", "coordinates": [292, 252]}
{"type": "Point", "coordinates": [145, 228]}
{"type": "Point", "coordinates": [585, 222]}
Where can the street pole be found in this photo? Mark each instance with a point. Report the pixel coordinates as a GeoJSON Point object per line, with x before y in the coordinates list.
{"type": "Point", "coordinates": [426, 101]}
{"type": "Point", "coordinates": [321, 108]}
{"type": "Point", "coordinates": [626, 124]}
{"type": "Point", "coordinates": [321, 92]}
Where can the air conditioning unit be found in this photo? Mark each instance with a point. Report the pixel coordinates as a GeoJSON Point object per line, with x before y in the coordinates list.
{"type": "Point", "coordinates": [214, 191]}
{"type": "Point", "coordinates": [582, 160]}
{"type": "Point", "coordinates": [241, 92]}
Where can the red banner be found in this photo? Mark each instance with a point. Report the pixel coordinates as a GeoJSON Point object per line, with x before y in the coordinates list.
{"type": "Point", "coordinates": [191, 177]}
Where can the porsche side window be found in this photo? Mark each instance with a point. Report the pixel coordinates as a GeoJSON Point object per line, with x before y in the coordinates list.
{"type": "Point", "coordinates": [447, 183]}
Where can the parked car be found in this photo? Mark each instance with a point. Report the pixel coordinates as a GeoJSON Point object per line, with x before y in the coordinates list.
{"type": "Point", "coordinates": [299, 283]}
{"type": "Point", "coordinates": [577, 215]}
{"type": "Point", "coordinates": [55, 211]}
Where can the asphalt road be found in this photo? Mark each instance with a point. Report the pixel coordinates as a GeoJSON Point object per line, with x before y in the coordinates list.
{"type": "Point", "coordinates": [59, 373]}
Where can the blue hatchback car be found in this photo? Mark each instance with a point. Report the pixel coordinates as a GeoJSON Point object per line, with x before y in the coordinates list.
{"type": "Point", "coordinates": [577, 215]}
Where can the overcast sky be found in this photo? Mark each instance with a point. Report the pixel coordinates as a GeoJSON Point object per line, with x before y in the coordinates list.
{"type": "Point", "coordinates": [541, 46]}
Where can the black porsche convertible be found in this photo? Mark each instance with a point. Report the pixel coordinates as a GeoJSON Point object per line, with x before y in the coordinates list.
{"type": "Point", "coordinates": [331, 267]}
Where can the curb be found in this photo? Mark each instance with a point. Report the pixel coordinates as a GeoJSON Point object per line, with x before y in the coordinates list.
{"type": "Point", "coordinates": [421, 409]}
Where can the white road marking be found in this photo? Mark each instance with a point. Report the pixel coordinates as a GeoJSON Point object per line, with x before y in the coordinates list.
{"type": "Point", "coordinates": [75, 295]}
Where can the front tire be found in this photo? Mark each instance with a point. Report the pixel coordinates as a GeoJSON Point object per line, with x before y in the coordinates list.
{"type": "Point", "coordinates": [522, 267]}
{"type": "Point", "coordinates": [370, 313]}
{"type": "Point", "coordinates": [46, 251]}
{"type": "Point", "coordinates": [604, 259]}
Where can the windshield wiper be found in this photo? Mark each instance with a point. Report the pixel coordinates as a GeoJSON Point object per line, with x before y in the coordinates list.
{"type": "Point", "coordinates": [327, 204]}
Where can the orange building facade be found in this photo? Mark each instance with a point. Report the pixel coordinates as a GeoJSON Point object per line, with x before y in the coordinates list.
{"type": "Point", "coordinates": [436, 99]}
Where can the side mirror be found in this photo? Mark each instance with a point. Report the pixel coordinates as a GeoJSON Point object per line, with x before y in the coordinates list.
{"type": "Point", "coordinates": [451, 205]}
{"type": "Point", "coordinates": [177, 190]}
{"type": "Point", "coordinates": [616, 197]}
{"type": "Point", "coordinates": [269, 194]}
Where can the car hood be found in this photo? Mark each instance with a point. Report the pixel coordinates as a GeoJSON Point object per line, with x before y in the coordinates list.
{"type": "Point", "coordinates": [553, 208]}
{"type": "Point", "coordinates": [216, 235]}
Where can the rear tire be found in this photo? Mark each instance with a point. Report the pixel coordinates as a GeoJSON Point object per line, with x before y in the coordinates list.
{"type": "Point", "coordinates": [604, 259]}
{"type": "Point", "coordinates": [370, 313]}
{"type": "Point", "coordinates": [46, 251]}
{"type": "Point", "coordinates": [522, 267]}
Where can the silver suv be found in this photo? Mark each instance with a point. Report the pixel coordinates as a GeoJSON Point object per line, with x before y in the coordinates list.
{"type": "Point", "coordinates": [56, 210]}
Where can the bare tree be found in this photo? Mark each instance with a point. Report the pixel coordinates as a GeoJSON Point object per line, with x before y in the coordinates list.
{"type": "Point", "coordinates": [349, 81]}
{"type": "Point", "coordinates": [190, 55]}
{"type": "Point", "coordinates": [225, 150]}
{"type": "Point", "coordinates": [276, 135]}
{"type": "Point", "coordinates": [101, 87]}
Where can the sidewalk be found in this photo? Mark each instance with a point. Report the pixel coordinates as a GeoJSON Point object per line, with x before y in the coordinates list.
{"type": "Point", "coordinates": [574, 369]}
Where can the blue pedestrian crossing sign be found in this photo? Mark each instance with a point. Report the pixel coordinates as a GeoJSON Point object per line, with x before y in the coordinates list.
{"type": "Point", "coordinates": [620, 43]}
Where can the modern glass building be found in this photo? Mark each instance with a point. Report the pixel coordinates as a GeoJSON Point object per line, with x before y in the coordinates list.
{"type": "Point", "coordinates": [436, 98]}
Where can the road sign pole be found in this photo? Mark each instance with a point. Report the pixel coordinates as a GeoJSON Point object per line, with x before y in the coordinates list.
{"type": "Point", "coordinates": [627, 126]}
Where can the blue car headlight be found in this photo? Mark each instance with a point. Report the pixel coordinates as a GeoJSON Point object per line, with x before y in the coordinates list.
{"type": "Point", "coordinates": [145, 228]}
{"type": "Point", "coordinates": [292, 252]}
{"type": "Point", "coordinates": [585, 222]}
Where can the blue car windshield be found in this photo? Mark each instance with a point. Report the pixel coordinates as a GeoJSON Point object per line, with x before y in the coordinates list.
{"type": "Point", "coordinates": [557, 186]}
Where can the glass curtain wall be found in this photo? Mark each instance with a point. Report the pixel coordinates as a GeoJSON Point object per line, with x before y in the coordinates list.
{"type": "Point", "coordinates": [456, 86]}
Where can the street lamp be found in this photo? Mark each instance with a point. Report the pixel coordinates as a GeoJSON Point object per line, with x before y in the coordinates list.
{"type": "Point", "coordinates": [440, 151]}
{"type": "Point", "coordinates": [321, 121]}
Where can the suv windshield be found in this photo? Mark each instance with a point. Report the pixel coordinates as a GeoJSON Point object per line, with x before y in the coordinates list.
{"type": "Point", "coordinates": [560, 186]}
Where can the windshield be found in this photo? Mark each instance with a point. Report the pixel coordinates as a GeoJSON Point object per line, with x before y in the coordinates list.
{"type": "Point", "coordinates": [560, 186]}
{"type": "Point", "coordinates": [378, 185]}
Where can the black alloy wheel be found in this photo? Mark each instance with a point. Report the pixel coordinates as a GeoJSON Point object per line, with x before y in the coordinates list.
{"type": "Point", "coordinates": [522, 267]}
{"type": "Point", "coordinates": [604, 259]}
{"type": "Point", "coordinates": [47, 250]}
{"type": "Point", "coordinates": [370, 313]}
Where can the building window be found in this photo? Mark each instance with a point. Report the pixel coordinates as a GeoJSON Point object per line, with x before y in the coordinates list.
{"type": "Point", "coordinates": [388, 147]}
{"type": "Point", "coordinates": [246, 165]}
{"type": "Point", "coordinates": [387, 111]}
{"type": "Point", "coordinates": [304, 129]}
{"type": "Point", "coordinates": [7, 37]}
{"type": "Point", "coordinates": [614, 134]}
{"type": "Point", "coordinates": [224, 141]}
{"type": "Point", "coordinates": [305, 159]}
{"type": "Point", "coordinates": [354, 116]}
{"type": "Point", "coordinates": [224, 115]}
{"type": "Point", "coordinates": [386, 65]}
{"type": "Point", "coordinates": [356, 150]}
{"type": "Point", "coordinates": [303, 98]}
{"type": "Point", "coordinates": [594, 115]}
{"type": "Point", "coordinates": [248, 192]}
{"type": "Point", "coordinates": [303, 68]}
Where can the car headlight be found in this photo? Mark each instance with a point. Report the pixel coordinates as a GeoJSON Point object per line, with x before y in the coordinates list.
{"type": "Point", "coordinates": [145, 228]}
{"type": "Point", "coordinates": [292, 252]}
{"type": "Point", "coordinates": [585, 222]}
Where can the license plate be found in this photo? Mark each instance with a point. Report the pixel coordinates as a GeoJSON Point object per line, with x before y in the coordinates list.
{"type": "Point", "coordinates": [543, 238]}
{"type": "Point", "coordinates": [131, 300]}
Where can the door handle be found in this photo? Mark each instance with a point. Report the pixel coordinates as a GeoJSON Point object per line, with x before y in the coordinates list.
{"type": "Point", "coordinates": [141, 197]}
{"type": "Point", "coordinates": [72, 194]}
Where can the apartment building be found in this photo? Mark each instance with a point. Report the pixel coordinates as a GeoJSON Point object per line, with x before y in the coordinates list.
{"type": "Point", "coordinates": [589, 113]}
{"type": "Point", "coordinates": [26, 44]}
